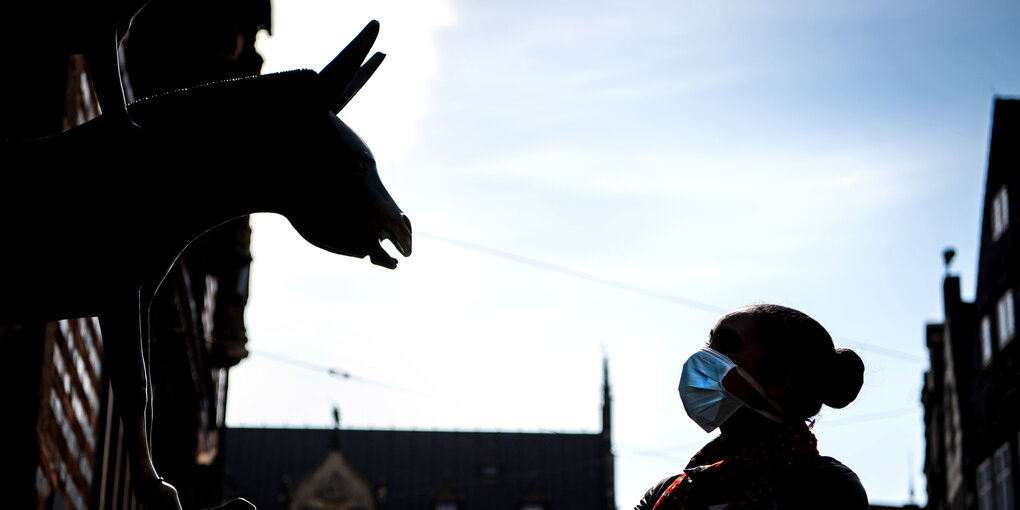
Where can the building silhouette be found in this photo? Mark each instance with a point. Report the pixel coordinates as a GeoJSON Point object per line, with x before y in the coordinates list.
{"type": "Point", "coordinates": [66, 449]}
{"type": "Point", "coordinates": [971, 391]}
{"type": "Point", "coordinates": [299, 469]}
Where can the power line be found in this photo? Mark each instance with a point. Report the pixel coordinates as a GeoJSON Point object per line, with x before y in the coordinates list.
{"type": "Point", "coordinates": [690, 303]}
{"type": "Point", "coordinates": [878, 415]}
{"type": "Point", "coordinates": [886, 351]}
{"type": "Point", "coordinates": [343, 374]}
{"type": "Point", "coordinates": [661, 453]}
{"type": "Point", "coordinates": [332, 372]}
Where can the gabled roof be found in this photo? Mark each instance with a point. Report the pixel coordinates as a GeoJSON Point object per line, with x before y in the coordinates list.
{"type": "Point", "coordinates": [412, 469]}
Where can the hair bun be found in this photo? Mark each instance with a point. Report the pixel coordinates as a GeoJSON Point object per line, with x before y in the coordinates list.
{"type": "Point", "coordinates": [846, 377]}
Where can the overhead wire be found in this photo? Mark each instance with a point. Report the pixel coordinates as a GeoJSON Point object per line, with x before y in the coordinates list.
{"type": "Point", "coordinates": [332, 372]}
{"type": "Point", "coordinates": [690, 303]}
{"type": "Point", "coordinates": [661, 453]}
{"type": "Point", "coordinates": [616, 284]}
{"type": "Point", "coordinates": [636, 289]}
{"type": "Point", "coordinates": [878, 415]}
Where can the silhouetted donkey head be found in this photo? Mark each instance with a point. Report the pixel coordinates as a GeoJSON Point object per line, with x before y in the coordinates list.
{"type": "Point", "coordinates": [326, 182]}
{"type": "Point", "coordinates": [361, 189]}
{"type": "Point", "coordinates": [359, 195]}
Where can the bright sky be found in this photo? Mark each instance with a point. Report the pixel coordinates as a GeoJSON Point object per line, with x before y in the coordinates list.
{"type": "Point", "coordinates": [818, 155]}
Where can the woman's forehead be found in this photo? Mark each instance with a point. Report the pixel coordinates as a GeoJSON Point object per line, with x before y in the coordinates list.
{"type": "Point", "coordinates": [734, 336]}
{"type": "Point", "coordinates": [738, 320]}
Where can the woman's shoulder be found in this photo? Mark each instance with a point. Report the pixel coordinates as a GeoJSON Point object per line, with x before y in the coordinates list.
{"type": "Point", "coordinates": [817, 482]}
{"type": "Point", "coordinates": [655, 492]}
{"type": "Point", "coordinates": [811, 482]}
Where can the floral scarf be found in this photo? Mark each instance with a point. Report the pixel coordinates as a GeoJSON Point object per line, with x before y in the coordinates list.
{"type": "Point", "coordinates": [754, 464]}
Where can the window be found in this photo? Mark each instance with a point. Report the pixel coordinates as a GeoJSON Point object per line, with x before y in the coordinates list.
{"type": "Point", "coordinates": [1003, 478]}
{"type": "Point", "coordinates": [446, 505]}
{"type": "Point", "coordinates": [533, 506]}
{"type": "Point", "coordinates": [995, 481]}
{"type": "Point", "coordinates": [986, 340]}
{"type": "Point", "coordinates": [1007, 319]}
{"type": "Point", "coordinates": [1000, 213]}
{"type": "Point", "coordinates": [984, 485]}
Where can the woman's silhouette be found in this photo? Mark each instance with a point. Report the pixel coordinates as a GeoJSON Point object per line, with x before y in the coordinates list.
{"type": "Point", "coordinates": [765, 372]}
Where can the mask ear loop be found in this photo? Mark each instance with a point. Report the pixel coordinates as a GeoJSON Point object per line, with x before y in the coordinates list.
{"type": "Point", "coordinates": [751, 380]}
{"type": "Point", "coordinates": [754, 384]}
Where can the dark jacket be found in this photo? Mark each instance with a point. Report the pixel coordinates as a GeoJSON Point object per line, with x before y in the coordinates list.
{"type": "Point", "coordinates": [821, 482]}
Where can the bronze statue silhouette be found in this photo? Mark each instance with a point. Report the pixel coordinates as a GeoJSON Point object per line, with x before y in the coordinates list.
{"type": "Point", "coordinates": [102, 213]}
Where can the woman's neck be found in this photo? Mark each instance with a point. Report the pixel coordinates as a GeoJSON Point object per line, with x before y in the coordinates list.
{"type": "Point", "coordinates": [747, 426]}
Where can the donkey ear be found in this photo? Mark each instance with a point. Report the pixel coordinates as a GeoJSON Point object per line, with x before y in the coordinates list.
{"type": "Point", "coordinates": [337, 75]}
{"type": "Point", "coordinates": [362, 76]}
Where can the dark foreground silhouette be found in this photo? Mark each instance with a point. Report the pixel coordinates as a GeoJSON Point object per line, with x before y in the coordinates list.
{"type": "Point", "coordinates": [103, 210]}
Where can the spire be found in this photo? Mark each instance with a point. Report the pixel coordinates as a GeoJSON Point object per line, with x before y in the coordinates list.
{"type": "Point", "coordinates": [336, 427]}
{"type": "Point", "coordinates": [607, 399]}
{"type": "Point", "coordinates": [609, 469]}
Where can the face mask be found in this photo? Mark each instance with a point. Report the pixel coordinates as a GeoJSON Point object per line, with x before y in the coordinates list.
{"type": "Point", "coordinates": [702, 392]}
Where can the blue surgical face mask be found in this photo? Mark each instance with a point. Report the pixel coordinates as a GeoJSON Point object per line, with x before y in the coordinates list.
{"type": "Point", "coordinates": [702, 392]}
